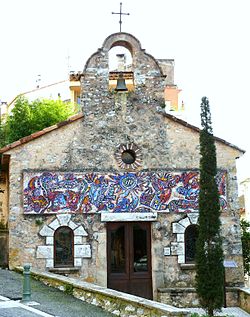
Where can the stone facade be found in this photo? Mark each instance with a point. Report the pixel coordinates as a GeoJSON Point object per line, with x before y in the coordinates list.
{"type": "Point", "coordinates": [88, 145]}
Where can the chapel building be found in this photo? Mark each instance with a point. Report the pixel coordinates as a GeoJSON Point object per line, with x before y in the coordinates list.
{"type": "Point", "coordinates": [111, 194]}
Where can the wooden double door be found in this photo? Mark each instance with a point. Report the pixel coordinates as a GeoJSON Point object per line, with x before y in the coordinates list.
{"type": "Point", "coordinates": [129, 258]}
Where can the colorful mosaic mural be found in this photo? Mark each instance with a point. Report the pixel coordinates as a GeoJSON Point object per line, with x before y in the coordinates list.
{"type": "Point", "coordinates": [48, 192]}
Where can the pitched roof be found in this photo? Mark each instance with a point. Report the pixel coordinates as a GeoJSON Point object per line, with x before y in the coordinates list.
{"type": "Point", "coordinates": [186, 124]}
{"type": "Point", "coordinates": [37, 134]}
{"type": "Point", "coordinates": [36, 89]}
{"type": "Point", "coordinates": [80, 116]}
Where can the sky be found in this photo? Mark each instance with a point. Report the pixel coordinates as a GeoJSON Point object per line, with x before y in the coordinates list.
{"type": "Point", "coordinates": [208, 39]}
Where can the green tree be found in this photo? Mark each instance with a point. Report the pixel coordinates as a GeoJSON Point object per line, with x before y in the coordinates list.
{"type": "Point", "coordinates": [46, 112]}
{"type": "Point", "coordinates": [18, 123]}
{"type": "Point", "coordinates": [209, 253]}
{"type": "Point", "coordinates": [29, 117]}
{"type": "Point", "coordinates": [245, 239]}
{"type": "Point", "coordinates": [2, 133]}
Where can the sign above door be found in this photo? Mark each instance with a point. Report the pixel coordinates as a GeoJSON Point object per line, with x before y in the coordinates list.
{"type": "Point", "coordinates": [128, 216]}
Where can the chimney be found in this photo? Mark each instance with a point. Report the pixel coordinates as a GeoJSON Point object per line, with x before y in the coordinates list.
{"type": "Point", "coordinates": [121, 61]}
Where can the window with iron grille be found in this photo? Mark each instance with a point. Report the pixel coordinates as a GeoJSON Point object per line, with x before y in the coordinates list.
{"type": "Point", "coordinates": [64, 247]}
{"type": "Point", "coordinates": [191, 235]}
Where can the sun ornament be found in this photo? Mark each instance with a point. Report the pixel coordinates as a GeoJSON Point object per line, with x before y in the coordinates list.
{"type": "Point", "coordinates": [129, 156]}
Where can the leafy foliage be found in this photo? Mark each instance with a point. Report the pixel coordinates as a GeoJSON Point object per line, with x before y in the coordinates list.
{"type": "Point", "coordinates": [2, 134]}
{"type": "Point", "coordinates": [209, 253]}
{"type": "Point", "coordinates": [245, 239]}
{"type": "Point", "coordinates": [27, 118]}
{"type": "Point", "coordinates": [18, 123]}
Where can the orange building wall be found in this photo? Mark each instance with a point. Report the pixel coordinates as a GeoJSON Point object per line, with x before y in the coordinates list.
{"type": "Point", "coordinates": [171, 94]}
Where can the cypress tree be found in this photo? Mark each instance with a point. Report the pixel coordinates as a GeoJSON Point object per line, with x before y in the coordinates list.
{"type": "Point", "coordinates": [209, 254]}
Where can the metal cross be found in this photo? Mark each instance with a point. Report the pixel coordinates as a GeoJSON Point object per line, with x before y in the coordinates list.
{"type": "Point", "coordinates": [120, 13]}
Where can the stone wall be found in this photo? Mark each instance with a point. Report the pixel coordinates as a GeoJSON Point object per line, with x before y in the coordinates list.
{"type": "Point", "coordinates": [179, 297]}
{"type": "Point", "coordinates": [149, 80]}
{"type": "Point", "coordinates": [187, 297]}
{"type": "Point", "coordinates": [245, 299]}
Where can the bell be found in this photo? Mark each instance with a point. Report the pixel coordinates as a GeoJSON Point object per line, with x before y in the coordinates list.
{"type": "Point", "coordinates": [121, 85]}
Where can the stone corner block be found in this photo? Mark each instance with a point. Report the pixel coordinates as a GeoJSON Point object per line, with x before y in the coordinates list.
{"type": "Point", "coordinates": [78, 239]}
{"type": "Point", "coordinates": [46, 231]}
{"type": "Point", "coordinates": [181, 259]}
{"type": "Point", "coordinates": [54, 224]}
{"type": "Point", "coordinates": [80, 231]}
{"type": "Point", "coordinates": [83, 251]}
{"type": "Point", "coordinates": [49, 263]}
{"type": "Point", "coordinates": [64, 219]}
{"type": "Point", "coordinates": [180, 248]}
{"type": "Point", "coordinates": [180, 237]}
{"type": "Point", "coordinates": [184, 222]}
{"type": "Point", "coordinates": [72, 225]}
{"type": "Point", "coordinates": [177, 248]}
{"type": "Point", "coordinates": [166, 251]}
{"type": "Point", "coordinates": [77, 261]}
{"type": "Point", "coordinates": [193, 217]}
{"type": "Point", "coordinates": [50, 240]}
{"type": "Point", "coordinates": [177, 228]}
{"type": "Point", "coordinates": [173, 248]}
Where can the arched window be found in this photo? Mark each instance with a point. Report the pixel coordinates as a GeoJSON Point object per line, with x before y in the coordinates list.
{"type": "Point", "coordinates": [120, 62]}
{"type": "Point", "coordinates": [191, 234]}
{"type": "Point", "coordinates": [63, 247]}
{"type": "Point", "coordinates": [120, 59]}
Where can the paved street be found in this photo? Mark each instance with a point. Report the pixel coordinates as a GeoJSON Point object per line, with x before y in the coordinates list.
{"type": "Point", "coordinates": [52, 301]}
{"type": "Point", "coordinates": [10, 308]}
{"type": "Point", "coordinates": [229, 312]}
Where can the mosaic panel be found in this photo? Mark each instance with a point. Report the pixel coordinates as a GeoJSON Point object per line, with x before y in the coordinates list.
{"type": "Point", "coordinates": [55, 192]}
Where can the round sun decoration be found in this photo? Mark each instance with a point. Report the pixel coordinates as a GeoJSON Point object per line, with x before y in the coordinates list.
{"type": "Point", "coordinates": [128, 156]}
